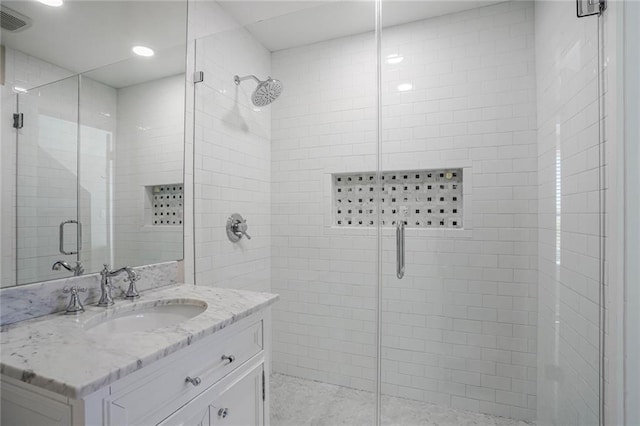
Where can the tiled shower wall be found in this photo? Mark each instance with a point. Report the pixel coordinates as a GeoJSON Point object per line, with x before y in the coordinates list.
{"type": "Point", "coordinates": [460, 328]}
{"type": "Point", "coordinates": [149, 151]}
{"type": "Point", "coordinates": [233, 155]}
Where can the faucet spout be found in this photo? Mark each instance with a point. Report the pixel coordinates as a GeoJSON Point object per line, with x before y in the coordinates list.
{"type": "Point", "coordinates": [106, 299]}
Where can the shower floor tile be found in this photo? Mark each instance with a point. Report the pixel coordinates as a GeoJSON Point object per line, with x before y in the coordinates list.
{"type": "Point", "coordinates": [298, 402]}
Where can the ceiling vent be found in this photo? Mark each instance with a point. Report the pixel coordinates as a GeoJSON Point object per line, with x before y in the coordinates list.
{"type": "Point", "coordinates": [12, 20]}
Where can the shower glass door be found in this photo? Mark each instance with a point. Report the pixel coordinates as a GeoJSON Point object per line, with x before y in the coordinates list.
{"type": "Point", "coordinates": [47, 176]}
{"type": "Point", "coordinates": [299, 172]}
{"type": "Point", "coordinates": [477, 187]}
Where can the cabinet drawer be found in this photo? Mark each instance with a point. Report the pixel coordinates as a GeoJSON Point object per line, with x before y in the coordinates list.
{"type": "Point", "coordinates": [236, 401]}
{"type": "Point", "coordinates": [164, 390]}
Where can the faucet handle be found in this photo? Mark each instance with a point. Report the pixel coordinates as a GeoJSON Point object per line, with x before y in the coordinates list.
{"type": "Point", "coordinates": [133, 276]}
{"type": "Point", "coordinates": [75, 306]}
{"type": "Point", "coordinates": [237, 228]}
{"type": "Point", "coordinates": [79, 269]}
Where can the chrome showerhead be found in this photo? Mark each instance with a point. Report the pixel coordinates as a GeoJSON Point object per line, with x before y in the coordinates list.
{"type": "Point", "coordinates": [266, 92]}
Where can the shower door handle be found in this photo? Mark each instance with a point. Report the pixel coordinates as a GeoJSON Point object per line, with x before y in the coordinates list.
{"type": "Point", "coordinates": [400, 249]}
{"type": "Point", "coordinates": [78, 237]}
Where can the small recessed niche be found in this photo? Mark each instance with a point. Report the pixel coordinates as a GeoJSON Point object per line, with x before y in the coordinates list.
{"type": "Point", "coordinates": [419, 198]}
{"type": "Point", "coordinates": [165, 204]}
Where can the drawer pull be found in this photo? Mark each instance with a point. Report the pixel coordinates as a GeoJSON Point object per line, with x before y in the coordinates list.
{"type": "Point", "coordinates": [223, 412]}
{"type": "Point", "coordinates": [194, 381]}
{"type": "Point", "coordinates": [229, 358]}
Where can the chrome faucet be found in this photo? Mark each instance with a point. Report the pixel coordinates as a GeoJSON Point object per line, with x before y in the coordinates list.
{"type": "Point", "coordinates": [75, 306]}
{"type": "Point", "coordinates": [106, 299]}
{"type": "Point", "coordinates": [77, 270]}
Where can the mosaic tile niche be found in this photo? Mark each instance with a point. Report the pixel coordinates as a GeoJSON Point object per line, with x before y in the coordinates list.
{"type": "Point", "coordinates": [421, 198]}
{"type": "Point", "coordinates": [167, 204]}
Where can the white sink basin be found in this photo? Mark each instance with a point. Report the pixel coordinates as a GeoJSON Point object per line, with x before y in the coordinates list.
{"type": "Point", "coordinates": [145, 316]}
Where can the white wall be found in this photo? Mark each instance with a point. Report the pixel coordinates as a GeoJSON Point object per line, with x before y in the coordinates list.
{"type": "Point", "coordinates": [149, 151]}
{"type": "Point", "coordinates": [459, 329]}
{"type": "Point", "coordinates": [232, 160]}
{"type": "Point", "coordinates": [569, 291]}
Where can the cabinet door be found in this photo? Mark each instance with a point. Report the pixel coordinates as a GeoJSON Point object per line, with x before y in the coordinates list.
{"type": "Point", "coordinates": [234, 401]}
{"type": "Point", "coordinates": [22, 407]}
{"type": "Point", "coordinates": [240, 403]}
{"type": "Point", "coordinates": [189, 416]}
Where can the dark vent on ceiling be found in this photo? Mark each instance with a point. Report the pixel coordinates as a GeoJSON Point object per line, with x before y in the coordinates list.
{"type": "Point", "coordinates": [12, 20]}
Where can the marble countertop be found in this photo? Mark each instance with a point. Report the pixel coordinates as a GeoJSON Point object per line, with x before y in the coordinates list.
{"type": "Point", "coordinates": [56, 353]}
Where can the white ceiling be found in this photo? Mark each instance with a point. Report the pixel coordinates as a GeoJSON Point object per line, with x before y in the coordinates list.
{"type": "Point", "coordinates": [285, 24]}
{"type": "Point", "coordinates": [87, 34]}
{"type": "Point", "coordinates": [83, 35]}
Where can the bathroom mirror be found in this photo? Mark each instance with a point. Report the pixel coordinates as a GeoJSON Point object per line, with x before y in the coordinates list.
{"type": "Point", "coordinates": [93, 173]}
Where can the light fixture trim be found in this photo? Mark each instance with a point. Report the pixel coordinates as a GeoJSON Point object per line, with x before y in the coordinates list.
{"type": "Point", "coordinates": [143, 51]}
{"type": "Point", "coordinates": [52, 3]}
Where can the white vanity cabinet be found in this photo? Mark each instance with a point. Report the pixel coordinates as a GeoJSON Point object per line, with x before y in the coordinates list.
{"type": "Point", "coordinates": [219, 380]}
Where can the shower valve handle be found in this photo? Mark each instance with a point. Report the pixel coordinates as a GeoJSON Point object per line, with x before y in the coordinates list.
{"type": "Point", "coordinates": [241, 228]}
{"type": "Point", "coordinates": [237, 228]}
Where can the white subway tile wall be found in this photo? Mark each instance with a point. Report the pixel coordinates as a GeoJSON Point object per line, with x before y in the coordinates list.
{"type": "Point", "coordinates": [460, 328]}
{"type": "Point", "coordinates": [232, 162]}
{"type": "Point", "coordinates": [149, 152]}
{"type": "Point", "coordinates": [98, 117]}
{"type": "Point", "coordinates": [568, 159]}
{"type": "Point", "coordinates": [324, 122]}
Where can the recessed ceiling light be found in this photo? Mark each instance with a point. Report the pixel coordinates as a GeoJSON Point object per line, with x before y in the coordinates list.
{"type": "Point", "coordinates": [394, 59]}
{"type": "Point", "coordinates": [142, 51]}
{"type": "Point", "coordinates": [52, 3]}
{"type": "Point", "coordinates": [404, 87]}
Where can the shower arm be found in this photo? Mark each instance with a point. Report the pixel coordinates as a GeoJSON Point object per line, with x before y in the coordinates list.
{"type": "Point", "coordinates": [239, 79]}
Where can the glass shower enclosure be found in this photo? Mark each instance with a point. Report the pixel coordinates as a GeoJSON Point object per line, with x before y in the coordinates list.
{"type": "Point", "coordinates": [425, 197]}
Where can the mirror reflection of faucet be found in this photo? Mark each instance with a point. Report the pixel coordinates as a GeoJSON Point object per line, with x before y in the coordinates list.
{"type": "Point", "coordinates": [77, 270]}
